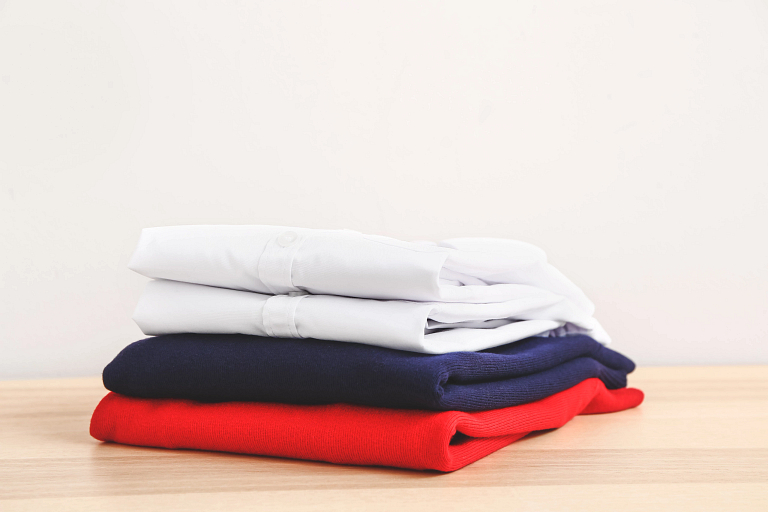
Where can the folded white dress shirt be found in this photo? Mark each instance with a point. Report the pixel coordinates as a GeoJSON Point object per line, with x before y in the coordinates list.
{"type": "Point", "coordinates": [429, 327]}
{"type": "Point", "coordinates": [279, 260]}
{"type": "Point", "coordinates": [457, 295]}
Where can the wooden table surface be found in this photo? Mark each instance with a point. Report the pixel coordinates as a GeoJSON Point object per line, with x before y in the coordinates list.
{"type": "Point", "coordinates": [699, 442]}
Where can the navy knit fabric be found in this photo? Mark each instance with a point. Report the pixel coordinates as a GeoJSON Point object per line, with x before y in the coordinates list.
{"type": "Point", "coordinates": [238, 367]}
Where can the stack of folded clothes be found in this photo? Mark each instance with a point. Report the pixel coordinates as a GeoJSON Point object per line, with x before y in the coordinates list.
{"type": "Point", "coordinates": [354, 349]}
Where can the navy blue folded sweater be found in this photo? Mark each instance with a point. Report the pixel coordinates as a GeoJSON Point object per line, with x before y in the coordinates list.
{"type": "Point", "coordinates": [238, 367]}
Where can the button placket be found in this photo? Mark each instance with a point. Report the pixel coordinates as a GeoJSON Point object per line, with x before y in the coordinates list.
{"type": "Point", "coordinates": [279, 316]}
{"type": "Point", "coordinates": [276, 262]}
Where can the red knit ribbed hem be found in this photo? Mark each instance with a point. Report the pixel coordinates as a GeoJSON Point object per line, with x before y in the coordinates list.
{"type": "Point", "coordinates": [346, 434]}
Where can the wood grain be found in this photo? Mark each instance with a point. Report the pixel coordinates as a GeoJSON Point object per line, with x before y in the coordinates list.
{"type": "Point", "coordinates": [699, 442]}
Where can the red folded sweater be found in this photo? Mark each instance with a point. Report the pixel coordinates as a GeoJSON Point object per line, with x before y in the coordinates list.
{"type": "Point", "coordinates": [346, 434]}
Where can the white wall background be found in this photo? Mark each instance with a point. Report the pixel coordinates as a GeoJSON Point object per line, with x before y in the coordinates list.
{"type": "Point", "coordinates": [628, 139]}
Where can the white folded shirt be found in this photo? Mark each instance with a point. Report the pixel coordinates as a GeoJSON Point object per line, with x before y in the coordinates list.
{"type": "Point", "coordinates": [429, 327]}
{"type": "Point", "coordinates": [280, 260]}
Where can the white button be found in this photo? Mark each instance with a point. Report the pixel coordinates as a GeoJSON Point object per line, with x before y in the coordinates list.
{"type": "Point", "coordinates": [287, 238]}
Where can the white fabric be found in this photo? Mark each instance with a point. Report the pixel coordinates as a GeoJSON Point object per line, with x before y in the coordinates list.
{"type": "Point", "coordinates": [280, 260]}
{"type": "Point", "coordinates": [428, 327]}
